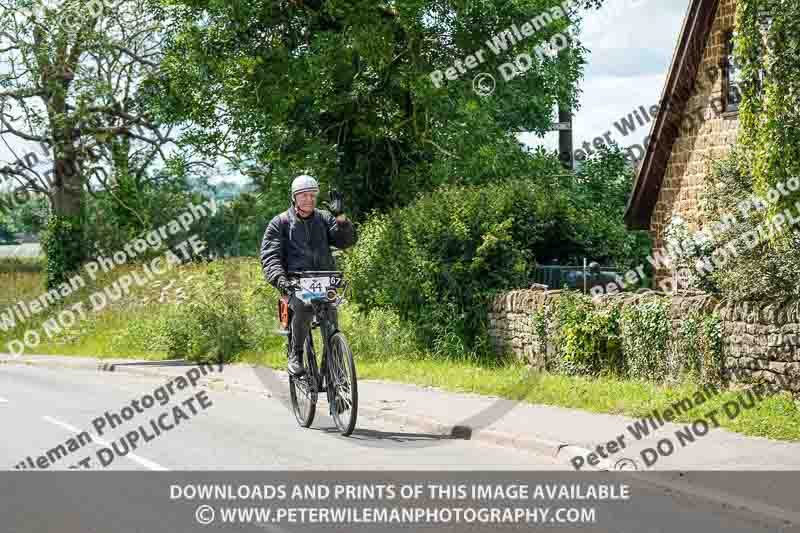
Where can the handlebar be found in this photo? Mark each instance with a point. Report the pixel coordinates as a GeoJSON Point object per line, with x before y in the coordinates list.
{"type": "Point", "coordinates": [315, 273]}
{"type": "Point", "coordinates": [294, 286]}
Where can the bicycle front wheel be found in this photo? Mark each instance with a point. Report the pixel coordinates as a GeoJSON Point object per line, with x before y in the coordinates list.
{"type": "Point", "coordinates": [342, 384]}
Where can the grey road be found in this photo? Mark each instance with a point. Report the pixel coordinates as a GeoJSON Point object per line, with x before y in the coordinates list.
{"type": "Point", "coordinates": [42, 408]}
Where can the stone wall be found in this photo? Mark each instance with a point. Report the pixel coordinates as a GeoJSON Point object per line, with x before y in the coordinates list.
{"type": "Point", "coordinates": [705, 136]}
{"type": "Point", "coordinates": [759, 339]}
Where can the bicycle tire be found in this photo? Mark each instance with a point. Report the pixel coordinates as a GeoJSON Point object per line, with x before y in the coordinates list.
{"type": "Point", "coordinates": [306, 385]}
{"type": "Point", "coordinates": [342, 379]}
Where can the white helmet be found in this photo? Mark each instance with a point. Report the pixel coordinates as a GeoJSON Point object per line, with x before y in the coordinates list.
{"type": "Point", "coordinates": [304, 183]}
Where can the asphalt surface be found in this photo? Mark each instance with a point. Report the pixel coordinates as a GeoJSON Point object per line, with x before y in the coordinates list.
{"type": "Point", "coordinates": [223, 430]}
{"type": "Point", "coordinates": [43, 407]}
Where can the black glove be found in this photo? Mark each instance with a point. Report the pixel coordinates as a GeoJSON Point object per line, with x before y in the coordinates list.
{"type": "Point", "coordinates": [283, 285]}
{"type": "Point", "coordinates": [336, 203]}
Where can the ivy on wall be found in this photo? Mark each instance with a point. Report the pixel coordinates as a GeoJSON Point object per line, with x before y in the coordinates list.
{"type": "Point", "coordinates": [767, 49]}
{"type": "Point", "coordinates": [632, 340]}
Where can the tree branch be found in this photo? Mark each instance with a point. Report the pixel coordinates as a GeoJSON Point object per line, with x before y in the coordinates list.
{"type": "Point", "coordinates": [134, 55]}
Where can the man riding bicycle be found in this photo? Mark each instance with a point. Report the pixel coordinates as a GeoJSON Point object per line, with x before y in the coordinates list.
{"type": "Point", "coordinates": [297, 240]}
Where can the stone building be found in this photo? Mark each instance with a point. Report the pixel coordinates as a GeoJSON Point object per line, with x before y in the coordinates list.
{"type": "Point", "coordinates": [697, 121]}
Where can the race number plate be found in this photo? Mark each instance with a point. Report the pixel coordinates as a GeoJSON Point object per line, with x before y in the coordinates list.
{"type": "Point", "coordinates": [317, 285]}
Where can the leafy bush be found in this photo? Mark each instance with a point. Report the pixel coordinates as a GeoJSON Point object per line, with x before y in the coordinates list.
{"type": "Point", "coordinates": [437, 261]}
{"type": "Point", "coordinates": [685, 251]}
{"type": "Point", "coordinates": [236, 229]}
{"type": "Point", "coordinates": [599, 194]}
{"type": "Point", "coordinates": [213, 324]}
{"type": "Point", "coordinates": [126, 212]}
{"type": "Point", "coordinates": [765, 271]}
{"type": "Point", "coordinates": [20, 264]}
{"type": "Point", "coordinates": [713, 368]}
{"type": "Point", "coordinates": [766, 48]}
{"type": "Point", "coordinates": [145, 335]}
{"type": "Point", "coordinates": [645, 330]}
{"type": "Point", "coordinates": [588, 336]}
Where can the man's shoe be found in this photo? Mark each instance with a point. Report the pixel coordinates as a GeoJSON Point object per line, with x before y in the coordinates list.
{"type": "Point", "coordinates": [296, 365]}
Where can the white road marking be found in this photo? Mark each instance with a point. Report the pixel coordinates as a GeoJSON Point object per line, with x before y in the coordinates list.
{"type": "Point", "coordinates": [96, 439]}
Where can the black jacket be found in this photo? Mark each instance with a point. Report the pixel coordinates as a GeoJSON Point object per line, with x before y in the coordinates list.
{"type": "Point", "coordinates": [294, 244]}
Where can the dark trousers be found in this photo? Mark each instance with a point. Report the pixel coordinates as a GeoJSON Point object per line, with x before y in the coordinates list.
{"type": "Point", "coordinates": [302, 314]}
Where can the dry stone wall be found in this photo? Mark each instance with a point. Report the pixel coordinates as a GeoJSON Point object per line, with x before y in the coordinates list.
{"type": "Point", "coordinates": [759, 339]}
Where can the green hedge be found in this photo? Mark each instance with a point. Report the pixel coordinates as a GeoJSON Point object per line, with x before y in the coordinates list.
{"type": "Point", "coordinates": [437, 262]}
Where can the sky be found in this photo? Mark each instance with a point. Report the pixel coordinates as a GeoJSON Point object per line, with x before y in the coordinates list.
{"type": "Point", "coordinates": [631, 43]}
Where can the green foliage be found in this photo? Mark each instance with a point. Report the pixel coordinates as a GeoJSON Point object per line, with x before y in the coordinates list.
{"type": "Point", "coordinates": [696, 349]}
{"type": "Point", "coordinates": [766, 271]}
{"type": "Point", "coordinates": [144, 334]}
{"type": "Point", "coordinates": [767, 44]}
{"type": "Point", "coordinates": [127, 211]}
{"type": "Point", "coordinates": [26, 217]}
{"type": "Point", "coordinates": [238, 226]}
{"type": "Point", "coordinates": [6, 237]}
{"type": "Point", "coordinates": [588, 337]}
{"type": "Point", "coordinates": [686, 251]}
{"type": "Point", "coordinates": [437, 261]}
{"type": "Point", "coordinates": [713, 368]}
{"type": "Point", "coordinates": [20, 264]}
{"type": "Point", "coordinates": [344, 88]}
{"type": "Point", "coordinates": [768, 154]}
{"type": "Point", "coordinates": [64, 245]}
{"type": "Point", "coordinates": [645, 330]}
{"type": "Point", "coordinates": [213, 324]}
{"type": "Point", "coordinates": [542, 324]}
{"type": "Point", "coordinates": [599, 193]}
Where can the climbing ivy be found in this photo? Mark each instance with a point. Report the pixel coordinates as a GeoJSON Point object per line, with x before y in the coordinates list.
{"type": "Point", "coordinates": [767, 49]}
{"type": "Point", "coordinates": [64, 246]}
{"type": "Point", "coordinates": [696, 348]}
{"type": "Point", "coordinates": [645, 330]}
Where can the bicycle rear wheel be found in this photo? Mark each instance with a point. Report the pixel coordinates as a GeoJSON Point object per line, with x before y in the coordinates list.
{"type": "Point", "coordinates": [303, 390]}
{"type": "Point", "coordinates": [342, 384]}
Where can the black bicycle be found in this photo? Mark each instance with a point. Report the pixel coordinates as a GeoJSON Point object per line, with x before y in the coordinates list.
{"type": "Point", "coordinates": [325, 291]}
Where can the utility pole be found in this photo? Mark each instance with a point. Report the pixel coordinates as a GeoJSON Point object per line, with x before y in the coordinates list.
{"type": "Point", "coordinates": [565, 133]}
{"type": "Point", "coordinates": [565, 136]}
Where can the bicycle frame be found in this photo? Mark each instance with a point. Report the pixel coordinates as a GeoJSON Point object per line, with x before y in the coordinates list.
{"type": "Point", "coordinates": [323, 320]}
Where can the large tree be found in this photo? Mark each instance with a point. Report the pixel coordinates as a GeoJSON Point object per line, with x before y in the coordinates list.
{"type": "Point", "coordinates": [343, 88]}
{"type": "Point", "coordinates": [69, 80]}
